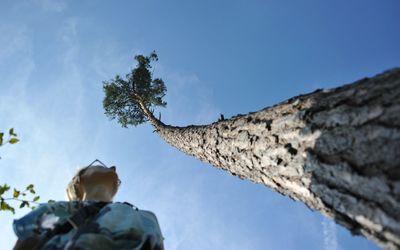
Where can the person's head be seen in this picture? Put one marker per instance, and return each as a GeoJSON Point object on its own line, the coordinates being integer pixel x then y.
{"type": "Point", "coordinates": [95, 183]}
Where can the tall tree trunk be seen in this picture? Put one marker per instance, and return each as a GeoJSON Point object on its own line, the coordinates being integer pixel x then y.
{"type": "Point", "coordinates": [337, 150]}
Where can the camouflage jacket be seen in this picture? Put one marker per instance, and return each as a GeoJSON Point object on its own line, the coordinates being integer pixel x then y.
{"type": "Point", "coordinates": [113, 226]}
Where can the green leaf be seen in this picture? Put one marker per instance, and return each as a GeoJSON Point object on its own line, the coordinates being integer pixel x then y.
{"type": "Point", "coordinates": [24, 204]}
{"type": "Point", "coordinates": [32, 191]}
{"type": "Point", "coordinates": [1, 138]}
{"type": "Point", "coordinates": [30, 186]}
{"type": "Point", "coordinates": [13, 140]}
{"type": "Point", "coordinates": [3, 205]}
{"type": "Point", "coordinates": [36, 198]}
{"type": "Point", "coordinates": [4, 189]}
{"type": "Point", "coordinates": [11, 132]}
{"type": "Point", "coordinates": [16, 193]}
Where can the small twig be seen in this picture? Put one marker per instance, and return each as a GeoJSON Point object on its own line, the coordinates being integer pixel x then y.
{"type": "Point", "coordinates": [16, 199]}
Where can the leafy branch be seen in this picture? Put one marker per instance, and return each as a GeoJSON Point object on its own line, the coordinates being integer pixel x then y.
{"type": "Point", "coordinates": [12, 138]}
{"type": "Point", "coordinates": [17, 195]}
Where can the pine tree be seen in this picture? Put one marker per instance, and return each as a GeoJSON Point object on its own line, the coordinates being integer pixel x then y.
{"type": "Point", "coordinates": [337, 150]}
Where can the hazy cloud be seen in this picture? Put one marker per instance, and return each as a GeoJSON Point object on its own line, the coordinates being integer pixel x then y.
{"type": "Point", "coordinates": [48, 122]}
{"type": "Point", "coordinates": [329, 232]}
{"type": "Point", "coordinates": [51, 5]}
{"type": "Point", "coordinates": [187, 94]}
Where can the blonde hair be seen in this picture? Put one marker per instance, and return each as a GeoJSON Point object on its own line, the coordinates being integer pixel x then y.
{"type": "Point", "coordinates": [73, 191]}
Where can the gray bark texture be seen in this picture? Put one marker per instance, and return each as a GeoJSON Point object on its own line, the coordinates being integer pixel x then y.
{"type": "Point", "coordinates": [337, 151]}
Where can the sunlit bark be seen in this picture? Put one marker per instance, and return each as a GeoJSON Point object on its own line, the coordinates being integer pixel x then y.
{"type": "Point", "coordinates": [337, 150]}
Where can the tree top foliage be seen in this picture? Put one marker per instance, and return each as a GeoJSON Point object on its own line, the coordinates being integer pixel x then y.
{"type": "Point", "coordinates": [123, 96]}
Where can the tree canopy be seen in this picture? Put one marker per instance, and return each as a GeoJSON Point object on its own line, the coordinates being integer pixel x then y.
{"type": "Point", "coordinates": [124, 96]}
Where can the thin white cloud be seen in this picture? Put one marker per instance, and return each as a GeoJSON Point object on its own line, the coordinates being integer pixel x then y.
{"type": "Point", "coordinates": [15, 56]}
{"type": "Point", "coordinates": [198, 106]}
{"type": "Point", "coordinates": [48, 122]}
{"type": "Point", "coordinates": [329, 234]}
{"type": "Point", "coordinates": [51, 5]}
{"type": "Point", "coordinates": [14, 44]}
{"type": "Point", "coordinates": [107, 61]}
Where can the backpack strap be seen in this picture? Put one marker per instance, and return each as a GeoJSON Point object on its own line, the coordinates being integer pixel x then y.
{"type": "Point", "coordinates": [83, 215]}
{"type": "Point", "coordinates": [132, 206]}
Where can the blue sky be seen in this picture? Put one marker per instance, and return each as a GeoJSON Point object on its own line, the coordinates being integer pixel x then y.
{"type": "Point", "coordinates": [216, 57]}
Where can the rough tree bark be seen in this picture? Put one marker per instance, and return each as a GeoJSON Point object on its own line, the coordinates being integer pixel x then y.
{"type": "Point", "coordinates": [337, 150]}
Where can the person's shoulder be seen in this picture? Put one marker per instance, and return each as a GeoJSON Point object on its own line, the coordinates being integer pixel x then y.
{"type": "Point", "coordinates": [122, 205]}
{"type": "Point", "coordinates": [126, 205]}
